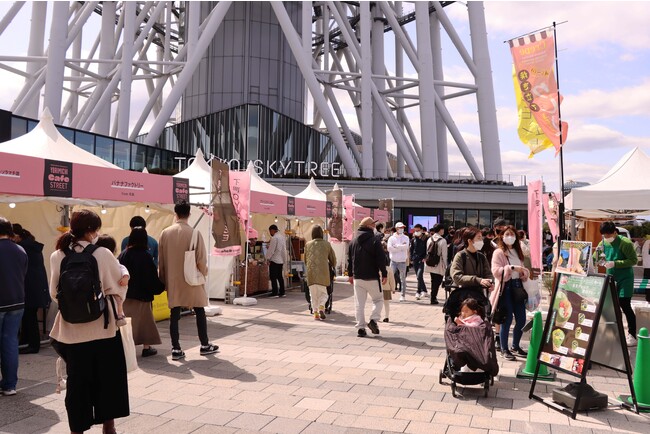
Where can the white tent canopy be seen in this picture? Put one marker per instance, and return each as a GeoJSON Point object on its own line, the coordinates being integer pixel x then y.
{"type": "Point", "coordinates": [45, 141]}
{"type": "Point", "coordinates": [312, 192]}
{"type": "Point", "coordinates": [624, 190]}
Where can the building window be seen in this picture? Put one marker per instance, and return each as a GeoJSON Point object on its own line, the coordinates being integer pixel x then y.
{"type": "Point", "coordinates": [460, 218]}
{"type": "Point", "coordinates": [18, 127]}
{"type": "Point", "coordinates": [122, 154]}
{"type": "Point", "coordinates": [104, 148]}
{"type": "Point", "coordinates": [85, 141]}
{"type": "Point", "coordinates": [484, 219]}
{"type": "Point", "coordinates": [138, 157]}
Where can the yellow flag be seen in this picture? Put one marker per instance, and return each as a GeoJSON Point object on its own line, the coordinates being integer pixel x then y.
{"type": "Point", "coordinates": [529, 131]}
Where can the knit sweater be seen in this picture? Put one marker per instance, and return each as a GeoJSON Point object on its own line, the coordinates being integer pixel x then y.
{"type": "Point", "coordinates": [319, 257]}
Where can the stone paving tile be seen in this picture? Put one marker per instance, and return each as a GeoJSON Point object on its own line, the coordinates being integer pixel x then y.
{"type": "Point", "coordinates": [278, 369]}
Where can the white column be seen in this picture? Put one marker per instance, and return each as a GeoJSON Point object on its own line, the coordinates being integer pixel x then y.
{"type": "Point", "coordinates": [487, 113]}
{"type": "Point", "coordinates": [74, 85]}
{"type": "Point", "coordinates": [438, 76]}
{"type": "Point", "coordinates": [216, 17]}
{"type": "Point", "coordinates": [106, 52]}
{"type": "Point", "coordinates": [427, 93]}
{"type": "Point", "coordinates": [366, 92]}
{"type": "Point", "coordinates": [305, 65]}
{"type": "Point", "coordinates": [307, 50]}
{"type": "Point", "coordinates": [124, 103]}
{"type": "Point", "coordinates": [35, 48]}
{"type": "Point", "coordinates": [399, 72]}
{"type": "Point", "coordinates": [378, 68]}
{"type": "Point", "coordinates": [56, 59]}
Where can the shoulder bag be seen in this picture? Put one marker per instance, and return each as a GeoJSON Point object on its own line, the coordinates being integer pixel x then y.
{"type": "Point", "coordinates": [193, 276]}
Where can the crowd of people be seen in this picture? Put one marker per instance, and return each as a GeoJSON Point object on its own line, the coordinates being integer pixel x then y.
{"type": "Point", "coordinates": [489, 265]}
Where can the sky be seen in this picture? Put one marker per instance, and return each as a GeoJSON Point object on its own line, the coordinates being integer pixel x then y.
{"type": "Point", "coordinates": [604, 68]}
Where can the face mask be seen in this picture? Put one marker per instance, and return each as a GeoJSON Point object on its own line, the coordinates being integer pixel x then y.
{"type": "Point", "coordinates": [417, 233]}
{"type": "Point", "coordinates": [400, 231]}
{"type": "Point", "coordinates": [478, 245]}
{"type": "Point", "coordinates": [509, 240]}
{"type": "Point", "coordinates": [610, 240]}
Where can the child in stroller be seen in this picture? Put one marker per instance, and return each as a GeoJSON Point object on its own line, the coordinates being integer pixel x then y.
{"type": "Point", "coordinates": [471, 357]}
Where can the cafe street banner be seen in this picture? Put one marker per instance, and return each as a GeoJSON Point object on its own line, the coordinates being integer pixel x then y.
{"type": "Point", "coordinates": [227, 209]}
{"type": "Point", "coordinates": [387, 205]}
{"type": "Point", "coordinates": [536, 92]}
{"type": "Point", "coordinates": [30, 176]}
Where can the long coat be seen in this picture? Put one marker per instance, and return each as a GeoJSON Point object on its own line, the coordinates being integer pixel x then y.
{"type": "Point", "coordinates": [174, 242]}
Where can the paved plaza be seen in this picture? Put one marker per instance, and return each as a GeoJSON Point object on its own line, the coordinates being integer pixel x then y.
{"type": "Point", "coordinates": [279, 370]}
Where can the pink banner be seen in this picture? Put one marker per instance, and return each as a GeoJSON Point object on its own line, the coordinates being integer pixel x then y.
{"type": "Point", "coordinates": [266, 203]}
{"type": "Point", "coordinates": [535, 223]}
{"type": "Point", "coordinates": [121, 185]}
{"type": "Point", "coordinates": [551, 214]}
{"type": "Point", "coordinates": [240, 185]}
{"type": "Point", "coordinates": [381, 215]}
{"type": "Point", "coordinates": [310, 208]}
{"type": "Point", "coordinates": [361, 213]}
{"type": "Point", "coordinates": [20, 175]}
{"type": "Point", "coordinates": [534, 59]}
{"type": "Point", "coordinates": [348, 224]}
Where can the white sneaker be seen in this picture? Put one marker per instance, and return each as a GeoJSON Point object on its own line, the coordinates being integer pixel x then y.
{"type": "Point", "coordinates": [402, 298]}
{"type": "Point", "coordinates": [630, 341]}
{"type": "Point", "coordinates": [417, 296]}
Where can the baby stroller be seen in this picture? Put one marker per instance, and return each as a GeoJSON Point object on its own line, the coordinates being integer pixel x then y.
{"type": "Point", "coordinates": [472, 347]}
{"type": "Point", "coordinates": [330, 292]}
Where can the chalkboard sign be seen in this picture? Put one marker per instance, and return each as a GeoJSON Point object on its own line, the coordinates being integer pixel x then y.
{"type": "Point", "coordinates": [573, 315]}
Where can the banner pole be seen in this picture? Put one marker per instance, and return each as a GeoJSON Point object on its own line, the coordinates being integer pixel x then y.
{"type": "Point", "coordinates": [560, 222]}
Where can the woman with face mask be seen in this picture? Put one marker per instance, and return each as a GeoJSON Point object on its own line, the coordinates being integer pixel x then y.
{"type": "Point", "coordinates": [470, 269]}
{"type": "Point", "coordinates": [510, 272]}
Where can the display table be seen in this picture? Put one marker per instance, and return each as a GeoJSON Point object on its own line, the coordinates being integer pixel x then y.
{"type": "Point", "coordinates": [258, 278]}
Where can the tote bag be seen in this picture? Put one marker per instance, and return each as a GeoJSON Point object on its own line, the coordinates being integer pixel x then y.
{"type": "Point", "coordinates": [126, 333]}
{"type": "Point", "coordinates": [193, 276]}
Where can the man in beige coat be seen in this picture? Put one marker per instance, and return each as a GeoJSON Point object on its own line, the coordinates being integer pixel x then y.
{"type": "Point", "coordinates": [174, 242]}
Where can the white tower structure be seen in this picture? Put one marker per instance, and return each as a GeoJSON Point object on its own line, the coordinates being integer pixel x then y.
{"type": "Point", "coordinates": [346, 60]}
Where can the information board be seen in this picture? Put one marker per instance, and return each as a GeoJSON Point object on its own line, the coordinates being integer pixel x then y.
{"type": "Point", "coordinates": [572, 318]}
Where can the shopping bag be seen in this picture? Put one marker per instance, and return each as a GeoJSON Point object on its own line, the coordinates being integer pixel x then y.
{"type": "Point", "coordinates": [126, 332]}
{"type": "Point", "coordinates": [191, 273]}
{"type": "Point", "coordinates": [534, 294]}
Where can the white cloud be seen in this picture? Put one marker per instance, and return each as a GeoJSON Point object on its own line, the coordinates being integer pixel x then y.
{"type": "Point", "coordinates": [597, 103]}
{"type": "Point", "coordinates": [588, 24]}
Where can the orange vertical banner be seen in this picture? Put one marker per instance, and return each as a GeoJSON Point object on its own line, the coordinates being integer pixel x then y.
{"type": "Point", "coordinates": [536, 91]}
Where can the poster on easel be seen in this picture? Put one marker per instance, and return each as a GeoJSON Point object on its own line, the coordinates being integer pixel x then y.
{"type": "Point", "coordinates": [574, 257]}
{"type": "Point", "coordinates": [579, 330]}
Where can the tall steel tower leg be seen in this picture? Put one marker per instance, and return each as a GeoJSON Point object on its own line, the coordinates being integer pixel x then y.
{"type": "Point", "coordinates": [438, 75]}
{"type": "Point", "coordinates": [378, 68]}
{"type": "Point", "coordinates": [124, 103]}
{"type": "Point", "coordinates": [36, 38]}
{"type": "Point", "coordinates": [485, 93]}
{"type": "Point", "coordinates": [427, 93]}
{"type": "Point", "coordinates": [399, 72]}
{"type": "Point", "coordinates": [106, 52]}
{"type": "Point", "coordinates": [56, 59]}
{"type": "Point", "coordinates": [366, 92]}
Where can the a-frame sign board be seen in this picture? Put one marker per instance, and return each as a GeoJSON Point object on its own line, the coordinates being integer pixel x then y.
{"type": "Point", "coordinates": [583, 326]}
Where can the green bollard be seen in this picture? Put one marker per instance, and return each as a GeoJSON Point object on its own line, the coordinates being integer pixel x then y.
{"type": "Point", "coordinates": [641, 378]}
{"type": "Point", "coordinates": [533, 352]}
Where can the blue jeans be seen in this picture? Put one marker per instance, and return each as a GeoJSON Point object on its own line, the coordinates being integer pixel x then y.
{"type": "Point", "coordinates": [9, 326]}
{"type": "Point", "coordinates": [512, 308]}
{"type": "Point", "coordinates": [401, 267]}
{"type": "Point", "coordinates": [418, 266]}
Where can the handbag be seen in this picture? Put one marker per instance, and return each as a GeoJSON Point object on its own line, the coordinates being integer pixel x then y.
{"type": "Point", "coordinates": [193, 276]}
{"type": "Point", "coordinates": [126, 333]}
{"type": "Point", "coordinates": [534, 294]}
{"type": "Point", "coordinates": [499, 313]}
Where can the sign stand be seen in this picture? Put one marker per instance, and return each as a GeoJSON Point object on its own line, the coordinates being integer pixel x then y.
{"type": "Point", "coordinates": [574, 318]}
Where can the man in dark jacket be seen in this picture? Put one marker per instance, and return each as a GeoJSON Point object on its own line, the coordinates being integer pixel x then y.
{"type": "Point", "coordinates": [13, 268]}
{"type": "Point", "coordinates": [366, 260]}
{"type": "Point", "coordinates": [418, 253]}
{"type": "Point", "coordinates": [37, 289]}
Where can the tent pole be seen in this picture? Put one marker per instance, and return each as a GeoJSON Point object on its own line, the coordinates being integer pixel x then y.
{"type": "Point", "coordinates": [560, 221]}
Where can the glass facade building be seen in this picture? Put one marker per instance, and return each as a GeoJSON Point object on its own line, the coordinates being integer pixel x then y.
{"type": "Point", "coordinates": [124, 154]}
{"type": "Point", "coordinates": [278, 144]}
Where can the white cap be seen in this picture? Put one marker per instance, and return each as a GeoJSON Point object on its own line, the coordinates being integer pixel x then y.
{"type": "Point", "coordinates": [400, 225]}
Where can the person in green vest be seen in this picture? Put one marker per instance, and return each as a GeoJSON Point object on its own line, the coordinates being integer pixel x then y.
{"type": "Point", "coordinates": [619, 259]}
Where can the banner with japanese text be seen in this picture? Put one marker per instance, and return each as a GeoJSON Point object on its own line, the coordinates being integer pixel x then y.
{"type": "Point", "coordinates": [535, 223]}
{"type": "Point", "coordinates": [348, 226]}
{"type": "Point", "coordinates": [335, 218]}
{"type": "Point", "coordinates": [536, 92]}
{"type": "Point", "coordinates": [229, 207]}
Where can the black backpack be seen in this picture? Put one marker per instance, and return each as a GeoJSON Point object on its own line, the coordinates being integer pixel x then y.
{"type": "Point", "coordinates": [79, 292]}
{"type": "Point", "coordinates": [433, 256]}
